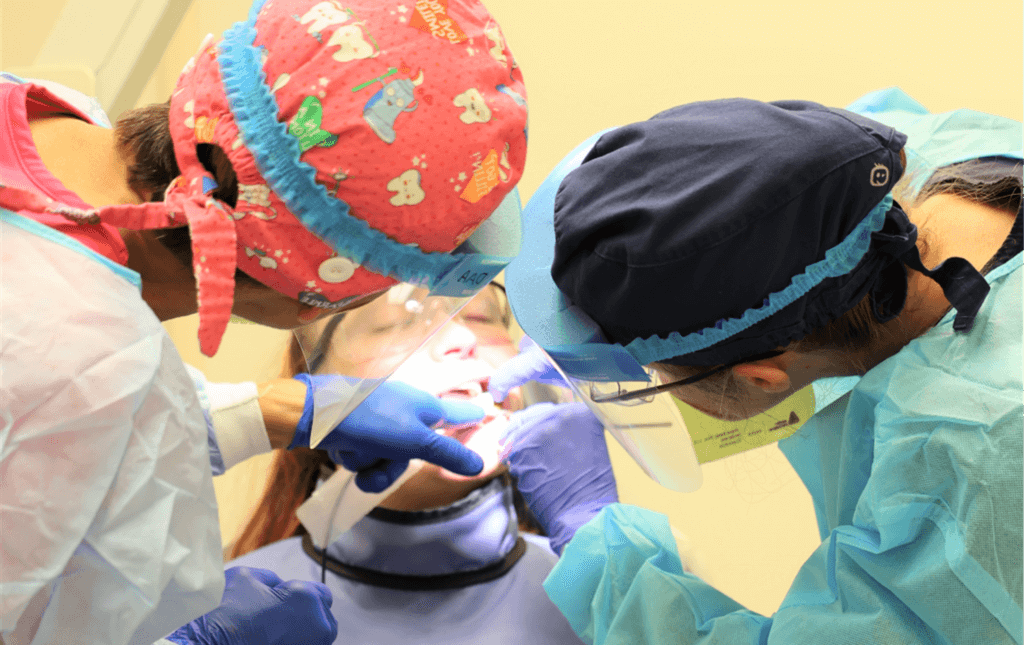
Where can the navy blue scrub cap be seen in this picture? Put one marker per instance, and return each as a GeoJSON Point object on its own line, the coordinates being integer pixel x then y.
{"type": "Point", "coordinates": [722, 230]}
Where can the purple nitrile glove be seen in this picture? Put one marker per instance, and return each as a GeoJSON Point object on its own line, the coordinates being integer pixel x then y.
{"type": "Point", "coordinates": [558, 454]}
{"type": "Point", "coordinates": [390, 427]}
{"type": "Point", "coordinates": [531, 364]}
{"type": "Point", "coordinates": [258, 608]}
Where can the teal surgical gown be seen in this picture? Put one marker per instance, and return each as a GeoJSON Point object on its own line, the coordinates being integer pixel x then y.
{"type": "Point", "coordinates": [916, 476]}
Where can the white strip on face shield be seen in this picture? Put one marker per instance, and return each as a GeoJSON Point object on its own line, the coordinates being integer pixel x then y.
{"type": "Point", "coordinates": [367, 344]}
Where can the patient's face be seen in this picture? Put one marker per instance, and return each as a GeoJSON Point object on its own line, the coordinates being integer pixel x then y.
{"type": "Point", "coordinates": [456, 363]}
{"type": "Point", "coordinates": [375, 339]}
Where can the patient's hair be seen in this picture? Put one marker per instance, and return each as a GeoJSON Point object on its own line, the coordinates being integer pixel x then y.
{"type": "Point", "coordinates": [293, 478]}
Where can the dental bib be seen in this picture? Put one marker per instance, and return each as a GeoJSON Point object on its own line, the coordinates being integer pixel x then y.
{"type": "Point", "coordinates": [337, 503]}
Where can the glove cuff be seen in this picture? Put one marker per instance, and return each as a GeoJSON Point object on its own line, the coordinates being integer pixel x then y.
{"type": "Point", "coordinates": [305, 426]}
{"type": "Point", "coordinates": [565, 527]}
{"type": "Point", "coordinates": [179, 636]}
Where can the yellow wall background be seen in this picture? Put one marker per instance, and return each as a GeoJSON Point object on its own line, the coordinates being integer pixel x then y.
{"type": "Point", "coordinates": [591, 64]}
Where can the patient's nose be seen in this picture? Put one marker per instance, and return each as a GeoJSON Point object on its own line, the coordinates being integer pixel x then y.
{"type": "Point", "coordinates": [455, 341]}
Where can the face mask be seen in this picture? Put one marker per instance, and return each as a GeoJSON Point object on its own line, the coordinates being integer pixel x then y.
{"type": "Point", "coordinates": [715, 439]}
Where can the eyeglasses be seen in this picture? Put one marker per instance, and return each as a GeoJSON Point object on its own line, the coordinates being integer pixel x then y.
{"type": "Point", "coordinates": [645, 395]}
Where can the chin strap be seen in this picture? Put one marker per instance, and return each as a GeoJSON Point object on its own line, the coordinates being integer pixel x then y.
{"type": "Point", "coordinates": [963, 285]}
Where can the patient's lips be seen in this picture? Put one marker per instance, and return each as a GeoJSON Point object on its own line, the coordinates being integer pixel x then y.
{"type": "Point", "coordinates": [461, 379]}
{"type": "Point", "coordinates": [482, 437]}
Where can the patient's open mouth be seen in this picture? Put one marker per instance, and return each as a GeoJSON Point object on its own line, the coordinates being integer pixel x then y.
{"type": "Point", "coordinates": [465, 391]}
{"type": "Point", "coordinates": [481, 436]}
{"type": "Point", "coordinates": [474, 391]}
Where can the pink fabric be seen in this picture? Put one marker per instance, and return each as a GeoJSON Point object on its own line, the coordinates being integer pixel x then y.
{"type": "Point", "coordinates": [21, 167]}
{"type": "Point", "coordinates": [408, 111]}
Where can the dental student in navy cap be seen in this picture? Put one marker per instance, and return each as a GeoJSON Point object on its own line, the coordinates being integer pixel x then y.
{"type": "Point", "coordinates": [726, 254]}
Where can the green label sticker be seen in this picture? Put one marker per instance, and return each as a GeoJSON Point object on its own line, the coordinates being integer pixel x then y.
{"type": "Point", "coordinates": [305, 126]}
{"type": "Point", "coordinates": [714, 439]}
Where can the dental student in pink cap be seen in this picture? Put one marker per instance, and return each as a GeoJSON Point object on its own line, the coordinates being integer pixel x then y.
{"type": "Point", "coordinates": [318, 156]}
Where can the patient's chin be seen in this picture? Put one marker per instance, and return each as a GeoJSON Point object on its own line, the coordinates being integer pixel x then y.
{"type": "Point", "coordinates": [485, 440]}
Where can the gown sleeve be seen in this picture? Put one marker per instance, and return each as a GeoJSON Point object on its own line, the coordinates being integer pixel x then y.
{"type": "Point", "coordinates": [620, 581]}
{"type": "Point", "coordinates": [234, 424]}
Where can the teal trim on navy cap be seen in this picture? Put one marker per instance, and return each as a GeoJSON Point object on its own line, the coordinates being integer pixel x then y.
{"type": "Point", "coordinates": [838, 261]}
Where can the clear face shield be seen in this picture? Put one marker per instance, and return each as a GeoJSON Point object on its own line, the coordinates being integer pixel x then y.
{"type": "Point", "coordinates": [455, 363]}
{"type": "Point", "coordinates": [366, 345]}
{"type": "Point", "coordinates": [668, 439]}
{"type": "Point", "coordinates": [651, 428]}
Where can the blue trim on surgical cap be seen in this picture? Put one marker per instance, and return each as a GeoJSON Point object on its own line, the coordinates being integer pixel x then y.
{"type": "Point", "coordinates": [839, 261]}
{"type": "Point", "coordinates": [277, 155]}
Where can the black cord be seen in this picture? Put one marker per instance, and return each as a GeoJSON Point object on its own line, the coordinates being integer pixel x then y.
{"type": "Point", "coordinates": [330, 525]}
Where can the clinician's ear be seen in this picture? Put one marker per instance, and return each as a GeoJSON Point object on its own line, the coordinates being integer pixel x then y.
{"type": "Point", "coordinates": [768, 375]}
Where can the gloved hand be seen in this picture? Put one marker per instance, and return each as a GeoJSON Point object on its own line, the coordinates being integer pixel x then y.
{"type": "Point", "coordinates": [258, 608]}
{"type": "Point", "coordinates": [529, 365]}
{"type": "Point", "coordinates": [559, 457]}
{"type": "Point", "coordinates": [390, 427]}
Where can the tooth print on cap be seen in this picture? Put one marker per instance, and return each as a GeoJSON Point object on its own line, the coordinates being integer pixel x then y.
{"type": "Point", "coordinates": [319, 106]}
